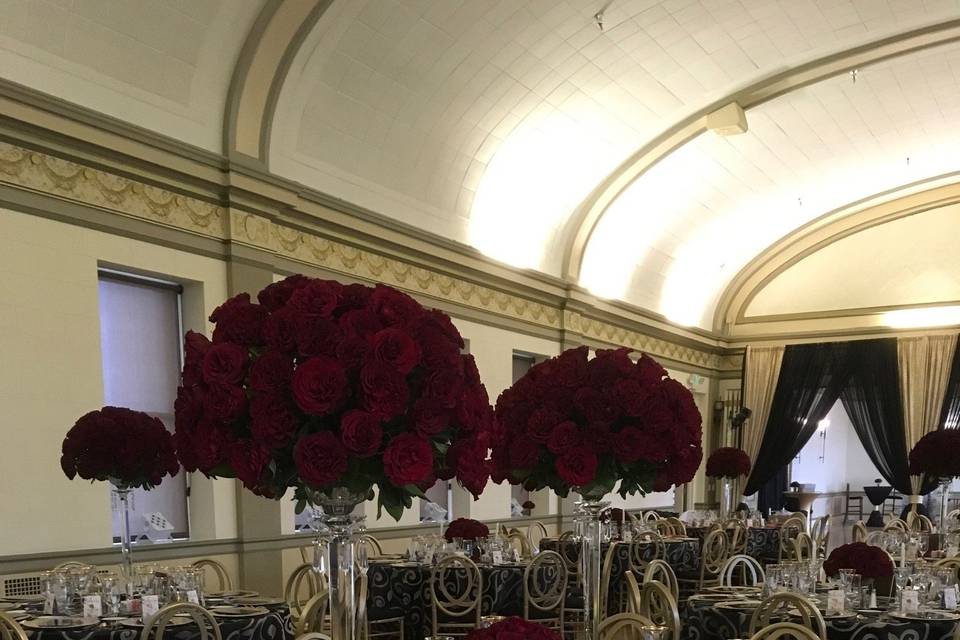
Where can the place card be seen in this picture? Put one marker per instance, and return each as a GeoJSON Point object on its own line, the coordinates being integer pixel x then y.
{"type": "Point", "coordinates": [498, 557]}
{"type": "Point", "coordinates": [149, 606]}
{"type": "Point", "coordinates": [836, 601]}
{"type": "Point", "coordinates": [910, 601]}
{"type": "Point", "coordinates": [950, 598]}
{"type": "Point", "coordinates": [48, 603]}
{"type": "Point", "coordinates": [193, 597]}
{"type": "Point", "coordinates": [92, 607]}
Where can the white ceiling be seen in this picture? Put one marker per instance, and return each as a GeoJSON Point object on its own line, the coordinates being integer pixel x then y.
{"type": "Point", "coordinates": [164, 65]}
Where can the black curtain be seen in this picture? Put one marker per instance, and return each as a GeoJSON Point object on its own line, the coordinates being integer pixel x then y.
{"type": "Point", "coordinates": [811, 379]}
{"type": "Point", "coordinates": [770, 495]}
{"type": "Point", "coordinates": [872, 401]}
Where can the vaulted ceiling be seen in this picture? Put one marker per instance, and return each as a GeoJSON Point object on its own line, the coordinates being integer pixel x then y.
{"type": "Point", "coordinates": [529, 132]}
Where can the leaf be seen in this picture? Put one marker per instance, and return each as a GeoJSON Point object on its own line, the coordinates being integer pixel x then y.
{"type": "Point", "coordinates": [301, 505]}
{"type": "Point", "coordinates": [392, 499]}
{"type": "Point", "coordinates": [414, 490]}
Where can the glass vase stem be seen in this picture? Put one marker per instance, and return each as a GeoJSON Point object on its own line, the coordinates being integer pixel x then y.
{"type": "Point", "coordinates": [944, 503]}
{"type": "Point", "coordinates": [591, 552]}
{"type": "Point", "coordinates": [126, 548]}
{"type": "Point", "coordinates": [726, 497]}
{"type": "Point", "coordinates": [338, 506]}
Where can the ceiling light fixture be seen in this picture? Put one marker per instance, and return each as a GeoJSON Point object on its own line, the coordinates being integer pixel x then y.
{"type": "Point", "coordinates": [922, 317]}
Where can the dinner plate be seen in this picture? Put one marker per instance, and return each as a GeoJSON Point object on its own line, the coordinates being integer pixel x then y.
{"type": "Point", "coordinates": [736, 590]}
{"type": "Point", "coordinates": [23, 599]}
{"type": "Point", "coordinates": [258, 601]}
{"type": "Point", "coordinates": [61, 623]}
{"type": "Point", "coordinates": [870, 612]}
{"type": "Point", "coordinates": [8, 606]}
{"type": "Point", "coordinates": [238, 593]}
{"type": "Point", "coordinates": [738, 605]}
{"type": "Point", "coordinates": [175, 621]}
{"type": "Point", "coordinates": [925, 616]}
{"type": "Point", "coordinates": [238, 612]}
{"type": "Point", "coordinates": [18, 614]}
{"type": "Point", "coordinates": [714, 597]}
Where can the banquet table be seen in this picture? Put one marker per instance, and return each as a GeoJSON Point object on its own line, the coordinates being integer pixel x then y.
{"type": "Point", "coordinates": [703, 620]}
{"type": "Point", "coordinates": [763, 543]}
{"type": "Point", "coordinates": [682, 554]}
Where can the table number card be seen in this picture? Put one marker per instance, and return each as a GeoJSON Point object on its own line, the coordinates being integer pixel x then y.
{"type": "Point", "coordinates": [910, 601]}
{"type": "Point", "coordinates": [193, 597]}
{"type": "Point", "coordinates": [950, 598]}
{"type": "Point", "coordinates": [92, 607]}
{"type": "Point", "coordinates": [150, 605]}
{"type": "Point", "coordinates": [498, 557]}
{"type": "Point", "coordinates": [836, 601]}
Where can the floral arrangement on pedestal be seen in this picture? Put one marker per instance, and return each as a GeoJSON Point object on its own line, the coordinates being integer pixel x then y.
{"type": "Point", "coordinates": [514, 629]}
{"type": "Point", "coordinates": [937, 455]}
{"type": "Point", "coordinates": [865, 559]}
{"type": "Point", "coordinates": [728, 462]}
{"type": "Point", "coordinates": [466, 529]}
{"type": "Point", "coordinates": [325, 385]}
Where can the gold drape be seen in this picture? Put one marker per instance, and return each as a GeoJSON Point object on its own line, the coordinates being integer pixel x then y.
{"type": "Point", "coordinates": [924, 368]}
{"type": "Point", "coordinates": [761, 371]}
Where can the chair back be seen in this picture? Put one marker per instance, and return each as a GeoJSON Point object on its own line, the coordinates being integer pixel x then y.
{"type": "Point", "coordinates": [313, 615]}
{"type": "Point", "coordinates": [203, 619]}
{"type": "Point", "coordinates": [859, 532]}
{"type": "Point", "coordinates": [714, 555]}
{"type": "Point", "coordinates": [951, 563]}
{"type": "Point", "coordinates": [456, 586]}
{"type": "Point", "coordinates": [821, 535]}
{"type": "Point", "coordinates": [545, 589]}
{"type": "Point", "coordinates": [785, 630]}
{"type": "Point", "coordinates": [314, 635]}
{"type": "Point", "coordinates": [536, 532]}
{"type": "Point", "coordinates": [633, 594]}
{"type": "Point", "coordinates": [519, 542]}
{"type": "Point", "coordinates": [736, 530]}
{"type": "Point", "coordinates": [374, 548]}
{"type": "Point", "coordinates": [741, 570]}
{"type": "Point", "coordinates": [659, 605]}
{"type": "Point", "coordinates": [624, 626]}
{"type": "Point", "coordinates": [663, 527]}
{"type": "Point", "coordinates": [660, 571]}
{"type": "Point", "coordinates": [303, 584]}
{"type": "Point", "coordinates": [678, 529]}
{"type": "Point", "coordinates": [896, 524]}
{"type": "Point", "coordinates": [223, 578]}
{"type": "Point", "coordinates": [650, 516]}
{"type": "Point", "coordinates": [10, 629]}
{"type": "Point", "coordinates": [640, 550]}
{"type": "Point", "coordinates": [779, 603]}
{"type": "Point", "coordinates": [802, 547]}
{"type": "Point", "coordinates": [606, 572]}
{"type": "Point", "coordinates": [919, 522]}
{"type": "Point", "coordinates": [790, 529]}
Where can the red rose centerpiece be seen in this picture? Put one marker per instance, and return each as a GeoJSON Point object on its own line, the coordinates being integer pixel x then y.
{"type": "Point", "coordinates": [130, 449]}
{"type": "Point", "coordinates": [937, 455]}
{"type": "Point", "coordinates": [587, 425]}
{"type": "Point", "coordinates": [514, 629]}
{"type": "Point", "coordinates": [466, 529]}
{"type": "Point", "coordinates": [728, 463]}
{"type": "Point", "coordinates": [332, 390]}
{"type": "Point", "coordinates": [865, 559]}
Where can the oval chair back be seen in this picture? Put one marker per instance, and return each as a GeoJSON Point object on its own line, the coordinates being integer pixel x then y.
{"type": "Point", "coordinates": [455, 602]}
{"type": "Point", "coordinates": [606, 582]}
{"type": "Point", "coordinates": [736, 530]}
{"type": "Point", "coordinates": [313, 617]}
{"type": "Point", "coordinates": [374, 548]}
{"type": "Point", "coordinates": [660, 571]}
{"type": "Point", "coordinates": [203, 619]}
{"type": "Point", "coordinates": [714, 555]}
{"type": "Point", "coordinates": [536, 532]}
{"type": "Point", "coordinates": [678, 529]}
{"type": "Point", "coordinates": [859, 533]}
{"type": "Point", "coordinates": [821, 536]}
{"type": "Point", "coordinates": [785, 630]}
{"type": "Point", "coordinates": [379, 628]}
{"type": "Point", "coordinates": [896, 524]}
{"type": "Point", "coordinates": [10, 629]}
{"type": "Point", "coordinates": [545, 589]}
{"type": "Point", "coordinates": [802, 548]}
{"type": "Point", "coordinates": [633, 592]}
{"type": "Point", "coordinates": [789, 530]}
{"type": "Point", "coordinates": [624, 626]}
{"type": "Point", "coordinates": [519, 542]}
{"type": "Point", "coordinates": [645, 547]}
{"type": "Point", "coordinates": [919, 522]}
{"type": "Point", "coordinates": [223, 578]}
{"type": "Point", "coordinates": [657, 604]}
{"type": "Point", "coordinates": [650, 516]}
{"type": "Point", "coordinates": [303, 584]}
{"type": "Point", "coordinates": [741, 570]}
{"type": "Point", "coordinates": [779, 603]}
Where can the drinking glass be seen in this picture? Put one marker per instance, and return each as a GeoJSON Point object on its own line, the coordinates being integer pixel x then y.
{"type": "Point", "coordinates": [901, 576]}
{"type": "Point", "coordinates": [854, 596]}
{"type": "Point", "coordinates": [54, 586]}
{"type": "Point", "coordinates": [112, 588]}
{"type": "Point", "coordinates": [923, 544]}
{"type": "Point", "coordinates": [772, 578]}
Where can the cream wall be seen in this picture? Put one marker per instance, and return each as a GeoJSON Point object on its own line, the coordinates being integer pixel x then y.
{"type": "Point", "coordinates": [51, 374]}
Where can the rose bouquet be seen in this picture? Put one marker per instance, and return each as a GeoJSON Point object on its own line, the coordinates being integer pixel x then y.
{"type": "Point", "coordinates": [514, 629]}
{"type": "Point", "coordinates": [326, 386]}
{"type": "Point", "coordinates": [865, 559]}
{"type": "Point", "coordinates": [128, 448]}
{"type": "Point", "coordinates": [574, 423]}
{"type": "Point", "coordinates": [937, 454]}
{"type": "Point", "coordinates": [728, 462]}
{"type": "Point", "coordinates": [466, 529]}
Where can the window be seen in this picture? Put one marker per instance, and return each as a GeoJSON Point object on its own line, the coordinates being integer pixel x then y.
{"type": "Point", "coordinates": [522, 363]}
{"type": "Point", "coordinates": [140, 329]}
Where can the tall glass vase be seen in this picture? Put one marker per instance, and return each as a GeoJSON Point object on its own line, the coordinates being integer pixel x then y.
{"type": "Point", "coordinates": [126, 549]}
{"type": "Point", "coordinates": [590, 530]}
{"type": "Point", "coordinates": [726, 498]}
{"type": "Point", "coordinates": [944, 504]}
{"type": "Point", "coordinates": [341, 536]}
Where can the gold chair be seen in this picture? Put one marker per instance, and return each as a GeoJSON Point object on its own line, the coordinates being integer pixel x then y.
{"type": "Point", "coordinates": [605, 581]}
{"type": "Point", "coordinates": [223, 578]}
{"type": "Point", "coordinates": [786, 630]}
{"type": "Point", "coordinates": [779, 603]}
{"type": "Point", "coordinates": [315, 635]}
{"type": "Point", "coordinates": [374, 629]}
{"type": "Point", "coordinates": [624, 626]}
{"type": "Point", "coordinates": [650, 516]}
{"type": "Point", "coordinates": [462, 607]}
{"type": "Point", "coordinates": [519, 542]}
{"type": "Point", "coordinates": [313, 617]}
{"type": "Point", "coordinates": [951, 563]}
{"type": "Point", "coordinates": [658, 605]}
{"type": "Point", "coordinates": [640, 543]}
{"type": "Point", "coordinates": [789, 530]}
{"type": "Point", "coordinates": [736, 531]}
{"type": "Point", "coordinates": [859, 532]}
{"type": "Point", "coordinates": [801, 548]}
{"type": "Point", "coordinates": [535, 533]}
{"type": "Point", "coordinates": [919, 522]}
{"type": "Point", "coordinates": [896, 525]}
{"type": "Point", "coordinates": [634, 594]}
{"type": "Point", "coordinates": [372, 543]}
{"type": "Point", "coordinates": [660, 571]}
{"type": "Point", "coordinates": [679, 530]}
{"type": "Point", "coordinates": [10, 629]}
{"type": "Point", "coordinates": [302, 576]}
{"type": "Point", "coordinates": [203, 619]}
{"type": "Point", "coordinates": [713, 555]}
{"type": "Point", "coordinates": [743, 567]}
{"type": "Point", "coordinates": [821, 536]}
{"type": "Point", "coordinates": [545, 590]}
{"type": "Point", "coordinates": [573, 616]}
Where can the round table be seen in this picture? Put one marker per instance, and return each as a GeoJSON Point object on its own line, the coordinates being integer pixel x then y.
{"type": "Point", "coordinates": [682, 554]}
{"type": "Point", "coordinates": [876, 495]}
{"type": "Point", "coordinates": [702, 620]}
{"type": "Point", "coordinates": [763, 543]}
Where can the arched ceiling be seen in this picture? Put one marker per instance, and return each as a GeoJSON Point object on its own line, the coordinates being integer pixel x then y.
{"type": "Point", "coordinates": [164, 65]}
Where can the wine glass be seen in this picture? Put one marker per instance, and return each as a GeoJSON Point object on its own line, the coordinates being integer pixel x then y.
{"type": "Point", "coordinates": [901, 576]}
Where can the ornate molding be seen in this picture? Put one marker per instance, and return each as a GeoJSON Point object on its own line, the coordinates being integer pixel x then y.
{"type": "Point", "coordinates": [67, 180]}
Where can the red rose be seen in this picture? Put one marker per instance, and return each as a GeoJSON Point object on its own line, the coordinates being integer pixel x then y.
{"type": "Point", "coordinates": [187, 408]}
{"type": "Point", "coordinates": [320, 386]}
{"type": "Point", "coordinates": [408, 459]}
{"type": "Point", "coordinates": [384, 390]}
{"type": "Point", "coordinates": [239, 321]}
{"type": "Point", "coordinates": [630, 445]}
{"type": "Point", "coordinates": [474, 413]}
{"type": "Point", "coordinates": [541, 423]}
{"type": "Point", "coordinates": [195, 346]}
{"type": "Point", "coordinates": [594, 407]}
{"type": "Point", "coordinates": [577, 468]}
{"type": "Point", "coordinates": [316, 336]}
{"type": "Point", "coordinates": [279, 330]}
{"type": "Point", "coordinates": [272, 420]}
{"type": "Point", "coordinates": [225, 403]}
{"type": "Point", "coordinates": [728, 462]}
{"type": "Point", "coordinates": [276, 295]}
{"type": "Point", "coordinates": [354, 296]}
{"type": "Point", "coordinates": [320, 458]}
{"type": "Point", "coordinates": [524, 453]}
{"type": "Point", "coordinates": [393, 307]}
{"type": "Point", "coordinates": [471, 464]}
{"type": "Point", "coordinates": [317, 299]}
{"type": "Point", "coordinates": [444, 386]}
{"type": "Point", "coordinates": [429, 418]}
{"type": "Point", "coordinates": [361, 433]}
{"type": "Point", "coordinates": [359, 322]}
{"type": "Point", "coordinates": [394, 348]}
{"type": "Point", "coordinates": [630, 395]}
{"type": "Point", "coordinates": [248, 460]}
{"type": "Point", "coordinates": [648, 371]}
{"type": "Point", "coordinates": [272, 372]}
{"type": "Point", "coordinates": [224, 363]}
{"type": "Point", "coordinates": [608, 366]}
{"type": "Point", "coordinates": [564, 437]}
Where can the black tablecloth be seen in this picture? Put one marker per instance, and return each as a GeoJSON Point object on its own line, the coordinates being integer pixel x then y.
{"type": "Point", "coordinates": [276, 625]}
{"type": "Point", "coordinates": [763, 543]}
{"type": "Point", "coordinates": [703, 621]}
{"type": "Point", "coordinates": [683, 555]}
